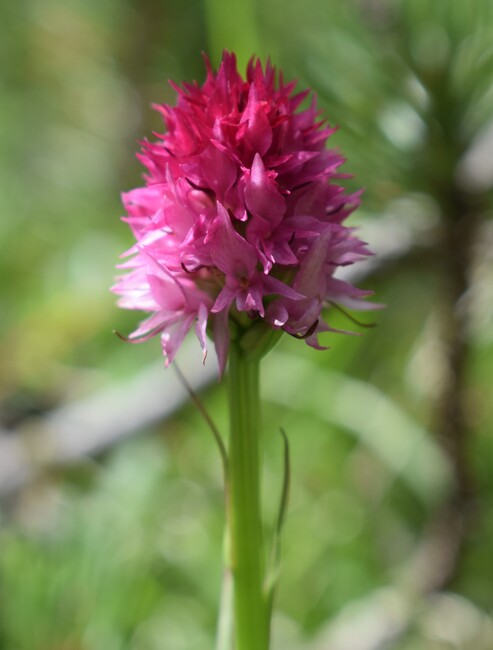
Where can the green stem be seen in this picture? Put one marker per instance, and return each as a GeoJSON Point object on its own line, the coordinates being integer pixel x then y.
{"type": "Point", "coordinates": [247, 552]}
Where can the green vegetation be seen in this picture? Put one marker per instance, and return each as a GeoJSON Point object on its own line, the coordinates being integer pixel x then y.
{"type": "Point", "coordinates": [388, 534]}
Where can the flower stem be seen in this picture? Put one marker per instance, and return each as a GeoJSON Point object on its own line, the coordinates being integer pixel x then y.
{"type": "Point", "coordinates": [247, 552]}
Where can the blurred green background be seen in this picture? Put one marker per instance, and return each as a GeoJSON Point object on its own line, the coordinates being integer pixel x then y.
{"type": "Point", "coordinates": [111, 525]}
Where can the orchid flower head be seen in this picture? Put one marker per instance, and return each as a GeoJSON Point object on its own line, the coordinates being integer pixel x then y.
{"type": "Point", "coordinates": [240, 222]}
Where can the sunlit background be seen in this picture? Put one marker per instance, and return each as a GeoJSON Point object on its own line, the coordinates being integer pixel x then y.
{"type": "Point", "coordinates": [110, 483]}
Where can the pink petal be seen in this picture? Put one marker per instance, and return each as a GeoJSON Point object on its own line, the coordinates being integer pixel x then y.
{"type": "Point", "coordinates": [172, 337]}
{"type": "Point", "coordinates": [310, 279]}
{"type": "Point", "coordinates": [201, 328]}
{"type": "Point", "coordinates": [232, 254]}
{"type": "Point", "coordinates": [261, 194]}
{"type": "Point", "coordinates": [221, 339]}
{"type": "Point", "coordinates": [344, 293]}
{"type": "Point", "coordinates": [224, 300]}
{"type": "Point", "coordinates": [256, 129]}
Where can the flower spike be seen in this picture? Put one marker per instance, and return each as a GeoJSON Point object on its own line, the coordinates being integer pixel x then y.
{"type": "Point", "coordinates": [241, 219]}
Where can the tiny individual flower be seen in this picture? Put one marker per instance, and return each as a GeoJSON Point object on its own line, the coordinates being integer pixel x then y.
{"type": "Point", "coordinates": [241, 218]}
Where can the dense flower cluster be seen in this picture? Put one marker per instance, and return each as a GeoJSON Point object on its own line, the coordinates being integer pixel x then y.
{"type": "Point", "coordinates": [240, 219]}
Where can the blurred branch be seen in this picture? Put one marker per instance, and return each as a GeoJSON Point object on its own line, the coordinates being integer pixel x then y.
{"type": "Point", "coordinates": [92, 424]}
{"type": "Point", "coordinates": [400, 443]}
{"type": "Point", "coordinates": [88, 426]}
{"type": "Point", "coordinates": [378, 621]}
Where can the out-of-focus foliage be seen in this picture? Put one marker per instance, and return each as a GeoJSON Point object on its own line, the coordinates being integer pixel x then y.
{"type": "Point", "coordinates": [124, 550]}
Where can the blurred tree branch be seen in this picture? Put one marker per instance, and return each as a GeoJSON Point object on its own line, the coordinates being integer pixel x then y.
{"type": "Point", "coordinates": [86, 427]}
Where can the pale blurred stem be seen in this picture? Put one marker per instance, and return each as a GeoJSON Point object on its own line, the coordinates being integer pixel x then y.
{"type": "Point", "coordinates": [246, 539]}
{"type": "Point", "coordinates": [225, 622]}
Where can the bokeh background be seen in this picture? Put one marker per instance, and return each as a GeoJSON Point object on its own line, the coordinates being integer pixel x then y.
{"type": "Point", "coordinates": [110, 483]}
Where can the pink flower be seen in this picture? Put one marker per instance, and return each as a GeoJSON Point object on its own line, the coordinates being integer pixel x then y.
{"type": "Point", "coordinates": [241, 218]}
